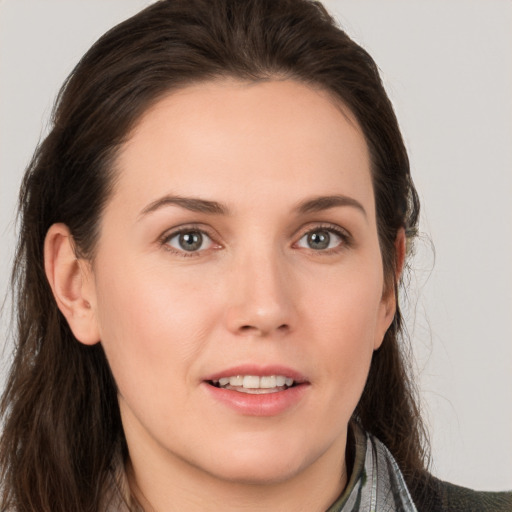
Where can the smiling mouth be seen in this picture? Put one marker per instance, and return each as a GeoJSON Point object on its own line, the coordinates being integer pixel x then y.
{"type": "Point", "coordinates": [253, 384]}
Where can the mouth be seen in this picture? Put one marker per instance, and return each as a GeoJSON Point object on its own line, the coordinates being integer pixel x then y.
{"type": "Point", "coordinates": [254, 384]}
{"type": "Point", "coordinates": [258, 390]}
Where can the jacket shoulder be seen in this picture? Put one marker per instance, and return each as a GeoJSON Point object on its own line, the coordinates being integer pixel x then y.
{"type": "Point", "coordinates": [439, 496]}
{"type": "Point", "coordinates": [456, 498]}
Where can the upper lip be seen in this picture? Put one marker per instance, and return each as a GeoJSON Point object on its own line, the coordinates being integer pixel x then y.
{"type": "Point", "coordinates": [260, 371]}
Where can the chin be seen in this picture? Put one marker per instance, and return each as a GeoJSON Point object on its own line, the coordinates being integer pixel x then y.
{"type": "Point", "coordinates": [259, 466]}
{"type": "Point", "coordinates": [265, 474]}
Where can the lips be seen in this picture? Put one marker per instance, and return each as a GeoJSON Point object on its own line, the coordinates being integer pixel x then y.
{"type": "Point", "coordinates": [258, 391]}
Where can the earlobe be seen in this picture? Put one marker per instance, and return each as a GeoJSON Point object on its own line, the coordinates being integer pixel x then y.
{"type": "Point", "coordinates": [72, 284]}
{"type": "Point", "coordinates": [389, 298]}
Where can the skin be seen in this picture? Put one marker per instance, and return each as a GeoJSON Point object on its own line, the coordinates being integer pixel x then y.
{"type": "Point", "coordinates": [255, 292]}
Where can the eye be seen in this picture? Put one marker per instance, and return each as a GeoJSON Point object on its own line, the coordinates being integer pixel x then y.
{"type": "Point", "coordinates": [321, 239]}
{"type": "Point", "coordinates": [191, 240]}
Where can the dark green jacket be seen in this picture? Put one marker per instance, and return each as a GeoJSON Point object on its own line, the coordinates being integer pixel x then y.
{"type": "Point", "coordinates": [438, 496]}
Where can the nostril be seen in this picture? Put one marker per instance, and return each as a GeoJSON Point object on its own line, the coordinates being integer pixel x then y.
{"type": "Point", "coordinates": [251, 328]}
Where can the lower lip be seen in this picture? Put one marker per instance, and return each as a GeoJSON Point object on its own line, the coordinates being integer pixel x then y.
{"type": "Point", "coordinates": [266, 404]}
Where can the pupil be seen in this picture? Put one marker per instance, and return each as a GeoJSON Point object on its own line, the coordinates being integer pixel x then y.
{"type": "Point", "coordinates": [191, 241]}
{"type": "Point", "coordinates": [319, 240]}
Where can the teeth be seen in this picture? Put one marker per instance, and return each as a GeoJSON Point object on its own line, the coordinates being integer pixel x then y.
{"type": "Point", "coordinates": [236, 381]}
{"type": "Point", "coordinates": [251, 382]}
{"type": "Point", "coordinates": [255, 382]}
{"type": "Point", "coordinates": [268, 382]}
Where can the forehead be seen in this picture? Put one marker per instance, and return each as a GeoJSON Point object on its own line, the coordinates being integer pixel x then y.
{"type": "Point", "coordinates": [234, 140]}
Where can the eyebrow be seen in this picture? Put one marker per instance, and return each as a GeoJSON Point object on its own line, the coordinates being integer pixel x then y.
{"type": "Point", "coordinates": [194, 204]}
{"type": "Point", "coordinates": [320, 203]}
{"type": "Point", "coordinates": [189, 203]}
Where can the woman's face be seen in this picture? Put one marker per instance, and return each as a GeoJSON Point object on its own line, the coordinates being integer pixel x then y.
{"type": "Point", "coordinates": [239, 253]}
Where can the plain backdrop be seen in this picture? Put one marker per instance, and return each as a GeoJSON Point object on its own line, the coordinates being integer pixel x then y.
{"type": "Point", "coordinates": [447, 66]}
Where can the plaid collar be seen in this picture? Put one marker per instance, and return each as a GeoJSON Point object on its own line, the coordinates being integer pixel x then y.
{"type": "Point", "coordinates": [376, 483]}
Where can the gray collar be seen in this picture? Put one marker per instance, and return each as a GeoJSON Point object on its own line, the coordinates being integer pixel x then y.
{"type": "Point", "coordinates": [376, 483]}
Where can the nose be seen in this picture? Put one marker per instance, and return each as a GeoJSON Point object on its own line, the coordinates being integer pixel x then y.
{"type": "Point", "coordinates": [260, 296]}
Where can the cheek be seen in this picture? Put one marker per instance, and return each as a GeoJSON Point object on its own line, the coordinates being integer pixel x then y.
{"type": "Point", "coordinates": [347, 333]}
{"type": "Point", "coordinates": [151, 325]}
{"type": "Point", "coordinates": [346, 319]}
{"type": "Point", "coordinates": [349, 302]}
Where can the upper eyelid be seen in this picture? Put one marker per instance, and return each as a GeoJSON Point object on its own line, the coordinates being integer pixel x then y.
{"type": "Point", "coordinates": [176, 230]}
{"type": "Point", "coordinates": [325, 226]}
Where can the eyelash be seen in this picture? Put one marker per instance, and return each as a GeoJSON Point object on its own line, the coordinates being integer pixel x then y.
{"type": "Point", "coordinates": [345, 237]}
{"type": "Point", "coordinates": [167, 237]}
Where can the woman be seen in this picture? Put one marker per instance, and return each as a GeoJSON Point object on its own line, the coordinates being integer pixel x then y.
{"type": "Point", "coordinates": [212, 238]}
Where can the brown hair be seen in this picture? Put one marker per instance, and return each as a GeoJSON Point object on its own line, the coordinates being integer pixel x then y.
{"type": "Point", "coordinates": [63, 433]}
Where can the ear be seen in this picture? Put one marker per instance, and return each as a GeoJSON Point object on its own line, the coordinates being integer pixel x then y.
{"type": "Point", "coordinates": [72, 283]}
{"type": "Point", "coordinates": [400, 251]}
{"type": "Point", "coordinates": [389, 297]}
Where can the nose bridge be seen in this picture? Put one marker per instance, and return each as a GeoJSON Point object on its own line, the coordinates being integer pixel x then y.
{"type": "Point", "coordinates": [261, 299]}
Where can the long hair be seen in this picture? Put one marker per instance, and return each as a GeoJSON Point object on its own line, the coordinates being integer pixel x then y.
{"type": "Point", "coordinates": [63, 438]}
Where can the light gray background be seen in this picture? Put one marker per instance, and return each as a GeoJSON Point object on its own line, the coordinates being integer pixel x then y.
{"type": "Point", "coordinates": [447, 66]}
